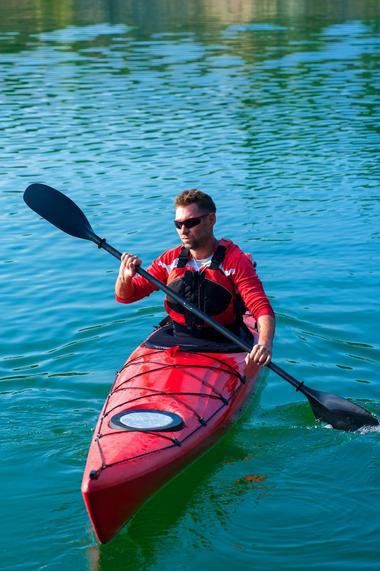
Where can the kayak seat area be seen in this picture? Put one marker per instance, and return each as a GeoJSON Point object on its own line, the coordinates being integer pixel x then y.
{"type": "Point", "coordinates": [164, 338]}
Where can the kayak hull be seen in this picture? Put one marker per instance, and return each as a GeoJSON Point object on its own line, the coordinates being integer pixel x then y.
{"type": "Point", "coordinates": [206, 391]}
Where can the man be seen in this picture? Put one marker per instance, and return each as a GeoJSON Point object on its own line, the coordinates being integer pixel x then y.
{"type": "Point", "coordinates": [208, 272]}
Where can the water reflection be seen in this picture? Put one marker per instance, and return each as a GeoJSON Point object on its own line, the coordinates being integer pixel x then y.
{"type": "Point", "coordinates": [170, 15]}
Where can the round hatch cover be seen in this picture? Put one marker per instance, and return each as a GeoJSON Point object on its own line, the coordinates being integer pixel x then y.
{"type": "Point", "coordinates": [146, 420]}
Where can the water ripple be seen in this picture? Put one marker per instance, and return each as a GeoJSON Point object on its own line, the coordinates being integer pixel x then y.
{"type": "Point", "coordinates": [273, 109]}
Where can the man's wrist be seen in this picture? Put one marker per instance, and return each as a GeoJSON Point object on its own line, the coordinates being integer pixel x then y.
{"type": "Point", "coordinates": [266, 342]}
{"type": "Point", "coordinates": [124, 281]}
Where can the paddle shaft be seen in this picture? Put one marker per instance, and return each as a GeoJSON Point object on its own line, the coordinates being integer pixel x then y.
{"type": "Point", "coordinates": [101, 243]}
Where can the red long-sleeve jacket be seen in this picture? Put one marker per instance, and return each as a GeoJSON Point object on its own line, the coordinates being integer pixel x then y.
{"type": "Point", "coordinates": [236, 265]}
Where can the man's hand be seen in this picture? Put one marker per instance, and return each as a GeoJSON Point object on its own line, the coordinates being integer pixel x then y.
{"type": "Point", "coordinates": [124, 284]}
{"type": "Point", "coordinates": [261, 354]}
{"type": "Point", "coordinates": [128, 265]}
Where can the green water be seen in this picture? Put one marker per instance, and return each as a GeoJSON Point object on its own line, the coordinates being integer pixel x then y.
{"type": "Point", "coordinates": [271, 106]}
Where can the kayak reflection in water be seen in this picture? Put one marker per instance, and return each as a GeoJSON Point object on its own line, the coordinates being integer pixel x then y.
{"type": "Point", "coordinates": [215, 275]}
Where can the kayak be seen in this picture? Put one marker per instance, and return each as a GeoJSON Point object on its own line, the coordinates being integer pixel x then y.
{"type": "Point", "coordinates": [169, 403]}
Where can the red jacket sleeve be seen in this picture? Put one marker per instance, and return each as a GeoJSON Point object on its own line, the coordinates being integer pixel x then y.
{"type": "Point", "coordinates": [249, 285]}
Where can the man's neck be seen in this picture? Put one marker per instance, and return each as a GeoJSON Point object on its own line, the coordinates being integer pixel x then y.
{"type": "Point", "coordinates": [205, 251]}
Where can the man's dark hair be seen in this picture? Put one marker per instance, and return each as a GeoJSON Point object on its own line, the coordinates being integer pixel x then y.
{"type": "Point", "coordinates": [195, 196]}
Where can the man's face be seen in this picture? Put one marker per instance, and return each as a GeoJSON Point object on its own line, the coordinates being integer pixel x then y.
{"type": "Point", "coordinates": [199, 235]}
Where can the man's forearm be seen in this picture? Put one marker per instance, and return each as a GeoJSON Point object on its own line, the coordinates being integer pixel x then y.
{"type": "Point", "coordinates": [124, 288]}
{"type": "Point", "coordinates": [266, 328]}
{"type": "Point", "coordinates": [261, 353]}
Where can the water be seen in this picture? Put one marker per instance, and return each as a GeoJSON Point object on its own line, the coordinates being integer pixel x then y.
{"type": "Point", "coordinates": [272, 108]}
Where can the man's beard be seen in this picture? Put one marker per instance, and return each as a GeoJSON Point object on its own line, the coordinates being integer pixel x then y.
{"type": "Point", "coordinates": [194, 243]}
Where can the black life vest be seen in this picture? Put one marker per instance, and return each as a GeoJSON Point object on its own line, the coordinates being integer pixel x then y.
{"type": "Point", "coordinates": [209, 289]}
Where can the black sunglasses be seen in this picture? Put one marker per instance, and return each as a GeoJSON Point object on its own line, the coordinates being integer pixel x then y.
{"type": "Point", "coordinates": [190, 222]}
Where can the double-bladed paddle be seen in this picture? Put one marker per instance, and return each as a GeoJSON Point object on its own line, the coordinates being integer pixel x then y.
{"type": "Point", "coordinates": [62, 212]}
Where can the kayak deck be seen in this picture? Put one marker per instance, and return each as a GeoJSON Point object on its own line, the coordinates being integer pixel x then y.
{"type": "Point", "coordinates": [202, 392]}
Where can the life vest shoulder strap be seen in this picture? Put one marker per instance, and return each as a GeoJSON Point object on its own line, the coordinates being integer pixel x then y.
{"type": "Point", "coordinates": [218, 257]}
{"type": "Point", "coordinates": [219, 254]}
{"type": "Point", "coordinates": [183, 257]}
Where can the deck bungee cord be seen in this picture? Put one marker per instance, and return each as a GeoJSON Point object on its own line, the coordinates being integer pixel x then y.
{"type": "Point", "coordinates": [154, 394]}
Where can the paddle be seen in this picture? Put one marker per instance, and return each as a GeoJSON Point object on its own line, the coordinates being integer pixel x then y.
{"type": "Point", "coordinates": [62, 212]}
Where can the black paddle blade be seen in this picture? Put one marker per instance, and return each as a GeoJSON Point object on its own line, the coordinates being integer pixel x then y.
{"type": "Point", "coordinates": [59, 210]}
{"type": "Point", "coordinates": [340, 413]}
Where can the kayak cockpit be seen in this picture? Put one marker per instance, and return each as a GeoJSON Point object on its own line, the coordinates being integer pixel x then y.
{"type": "Point", "coordinates": [164, 338]}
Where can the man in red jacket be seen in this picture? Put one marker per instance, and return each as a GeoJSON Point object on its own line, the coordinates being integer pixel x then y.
{"type": "Point", "coordinates": [209, 273]}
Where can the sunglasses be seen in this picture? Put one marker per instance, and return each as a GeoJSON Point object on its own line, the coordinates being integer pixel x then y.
{"type": "Point", "coordinates": [190, 222]}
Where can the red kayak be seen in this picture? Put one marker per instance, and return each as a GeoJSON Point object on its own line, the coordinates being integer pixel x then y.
{"type": "Point", "coordinates": [168, 404]}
